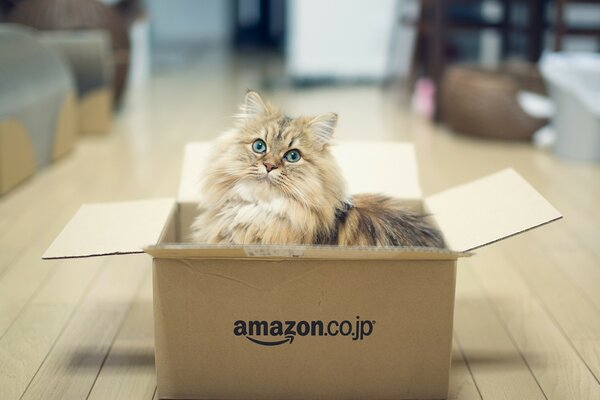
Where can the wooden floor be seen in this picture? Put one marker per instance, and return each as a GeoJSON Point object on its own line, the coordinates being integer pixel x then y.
{"type": "Point", "coordinates": [527, 321]}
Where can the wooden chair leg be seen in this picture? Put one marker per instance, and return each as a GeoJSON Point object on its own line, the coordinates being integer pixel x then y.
{"type": "Point", "coordinates": [437, 51]}
{"type": "Point", "coordinates": [536, 28]}
{"type": "Point", "coordinates": [418, 51]}
{"type": "Point", "coordinates": [559, 24]}
{"type": "Point", "coordinates": [506, 25]}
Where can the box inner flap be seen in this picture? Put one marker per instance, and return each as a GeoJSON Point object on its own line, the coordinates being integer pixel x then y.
{"type": "Point", "coordinates": [489, 209]}
{"type": "Point", "coordinates": [194, 161]}
{"type": "Point", "coordinates": [379, 167]}
{"type": "Point", "coordinates": [280, 252]}
{"type": "Point", "coordinates": [112, 228]}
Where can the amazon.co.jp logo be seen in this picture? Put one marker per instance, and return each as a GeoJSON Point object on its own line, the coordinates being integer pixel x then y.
{"type": "Point", "coordinates": [276, 332]}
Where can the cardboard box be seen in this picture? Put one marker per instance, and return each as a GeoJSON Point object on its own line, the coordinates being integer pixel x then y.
{"type": "Point", "coordinates": [22, 152]}
{"type": "Point", "coordinates": [301, 322]}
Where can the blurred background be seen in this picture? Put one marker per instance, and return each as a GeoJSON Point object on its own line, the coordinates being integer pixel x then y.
{"type": "Point", "coordinates": [502, 70]}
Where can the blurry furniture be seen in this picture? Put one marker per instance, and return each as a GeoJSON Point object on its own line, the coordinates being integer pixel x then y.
{"type": "Point", "coordinates": [81, 15]}
{"type": "Point", "coordinates": [333, 41]}
{"type": "Point", "coordinates": [259, 24]}
{"type": "Point", "coordinates": [140, 56]}
{"type": "Point", "coordinates": [561, 29]}
{"type": "Point", "coordinates": [437, 22]}
{"type": "Point", "coordinates": [483, 102]}
{"type": "Point", "coordinates": [573, 80]}
{"type": "Point", "coordinates": [37, 106]}
{"type": "Point", "coordinates": [90, 59]}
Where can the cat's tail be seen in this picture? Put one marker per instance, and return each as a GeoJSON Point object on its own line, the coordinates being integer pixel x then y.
{"type": "Point", "coordinates": [377, 220]}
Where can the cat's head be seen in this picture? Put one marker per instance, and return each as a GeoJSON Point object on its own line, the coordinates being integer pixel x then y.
{"type": "Point", "coordinates": [272, 153]}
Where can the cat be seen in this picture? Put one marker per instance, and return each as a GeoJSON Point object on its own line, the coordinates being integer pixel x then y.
{"type": "Point", "coordinates": [273, 180]}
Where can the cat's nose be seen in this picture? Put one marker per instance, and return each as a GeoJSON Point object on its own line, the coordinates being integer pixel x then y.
{"type": "Point", "coordinates": [270, 166]}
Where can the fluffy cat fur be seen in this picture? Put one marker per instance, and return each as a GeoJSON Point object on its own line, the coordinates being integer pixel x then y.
{"type": "Point", "coordinates": [303, 202]}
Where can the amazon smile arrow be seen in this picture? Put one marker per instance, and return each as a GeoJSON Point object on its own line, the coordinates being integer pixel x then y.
{"type": "Point", "coordinates": [288, 339]}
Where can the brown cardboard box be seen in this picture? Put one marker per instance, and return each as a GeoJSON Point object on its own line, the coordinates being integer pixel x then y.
{"type": "Point", "coordinates": [20, 156]}
{"type": "Point", "coordinates": [95, 111]}
{"type": "Point", "coordinates": [301, 322]}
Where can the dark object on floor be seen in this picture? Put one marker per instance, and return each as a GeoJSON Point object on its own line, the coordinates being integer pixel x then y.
{"type": "Point", "coordinates": [82, 14]}
{"type": "Point", "coordinates": [483, 102]}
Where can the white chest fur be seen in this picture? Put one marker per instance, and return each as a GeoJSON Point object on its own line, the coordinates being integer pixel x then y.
{"type": "Point", "coordinates": [256, 204]}
{"type": "Point", "coordinates": [257, 212]}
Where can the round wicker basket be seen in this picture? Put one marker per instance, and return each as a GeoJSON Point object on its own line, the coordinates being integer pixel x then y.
{"type": "Point", "coordinates": [482, 102]}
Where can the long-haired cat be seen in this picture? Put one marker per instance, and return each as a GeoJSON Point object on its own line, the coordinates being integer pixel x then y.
{"type": "Point", "coordinates": [273, 180]}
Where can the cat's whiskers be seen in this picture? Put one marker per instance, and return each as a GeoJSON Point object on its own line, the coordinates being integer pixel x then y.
{"type": "Point", "coordinates": [229, 170]}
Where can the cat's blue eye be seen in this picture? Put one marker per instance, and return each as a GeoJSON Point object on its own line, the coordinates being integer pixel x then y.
{"type": "Point", "coordinates": [292, 156]}
{"type": "Point", "coordinates": [259, 146]}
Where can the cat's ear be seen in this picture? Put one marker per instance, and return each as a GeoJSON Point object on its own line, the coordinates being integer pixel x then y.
{"type": "Point", "coordinates": [254, 105]}
{"type": "Point", "coordinates": [322, 127]}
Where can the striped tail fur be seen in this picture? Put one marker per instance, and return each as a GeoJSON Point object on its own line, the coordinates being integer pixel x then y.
{"type": "Point", "coordinates": [378, 220]}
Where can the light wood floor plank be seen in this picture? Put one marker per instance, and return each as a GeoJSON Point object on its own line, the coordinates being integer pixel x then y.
{"type": "Point", "coordinates": [494, 360]}
{"type": "Point", "coordinates": [556, 366]}
{"type": "Point", "coordinates": [128, 372]}
{"type": "Point", "coordinates": [18, 286]}
{"type": "Point", "coordinates": [571, 310]}
{"type": "Point", "coordinates": [25, 345]}
{"type": "Point", "coordinates": [462, 385]}
{"type": "Point", "coordinates": [579, 266]}
{"type": "Point", "coordinates": [72, 365]}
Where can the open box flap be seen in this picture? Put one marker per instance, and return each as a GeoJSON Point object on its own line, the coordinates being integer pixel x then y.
{"type": "Point", "coordinates": [489, 209]}
{"type": "Point", "coordinates": [195, 156]}
{"type": "Point", "coordinates": [112, 228]}
{"type": "Point", "coordinates": [366, 167]}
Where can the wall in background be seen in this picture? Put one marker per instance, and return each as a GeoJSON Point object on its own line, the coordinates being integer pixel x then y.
{"type": "Point", "coordinates": [339, 39]}
{"type": "Point", "coordinates": [190, 22]}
